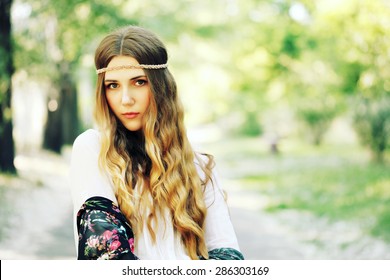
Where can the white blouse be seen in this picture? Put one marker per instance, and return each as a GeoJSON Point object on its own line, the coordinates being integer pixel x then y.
{"type": "Point", "coordinates": [86, 181]}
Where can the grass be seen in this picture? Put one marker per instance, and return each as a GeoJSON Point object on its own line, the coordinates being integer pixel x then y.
{"type": "Point", "coordinates": [352, 192]}
{"type": "Point", "coordinates": [334, 181]}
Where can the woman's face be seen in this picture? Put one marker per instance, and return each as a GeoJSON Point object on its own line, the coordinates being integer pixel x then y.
{"type": "Point", "coordinates": [127, 92]}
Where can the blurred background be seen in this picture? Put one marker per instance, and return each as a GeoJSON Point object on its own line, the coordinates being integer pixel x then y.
{"type": "Point", "coordinates": [291, 97]}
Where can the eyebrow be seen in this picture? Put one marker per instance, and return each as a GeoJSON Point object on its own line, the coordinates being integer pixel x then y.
{"type": "Point", "coordinates": [134, 78]}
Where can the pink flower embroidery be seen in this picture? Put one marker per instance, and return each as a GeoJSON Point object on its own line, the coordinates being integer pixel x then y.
{"type": "Point", "coordinates": [115, 208]}
{"type": "Point", "coordinates": [131, 243]}
{"type": "Point", "coordinates": [107, 235]}
{"type": "Point", "coordinates": [114, 245]}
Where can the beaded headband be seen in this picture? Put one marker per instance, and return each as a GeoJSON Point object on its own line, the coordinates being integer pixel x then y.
{"type": "Point", "coordinates": [134, 66]}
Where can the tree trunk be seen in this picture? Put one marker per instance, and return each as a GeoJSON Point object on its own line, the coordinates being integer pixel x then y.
{"type": "Point", "coordinates": [63, 124]}
{"type": "Point", "coordinates": [53, 131]}
{"type": "Point", "coordinates": [7, 149]}
{"type": "Point", "coordinates": [70, 119]}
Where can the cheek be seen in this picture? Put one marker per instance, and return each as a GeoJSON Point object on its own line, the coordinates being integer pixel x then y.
{"type": "Point", "coordinates": [110, 103]}
{"type": "Point", "coordinates": [147, 99]}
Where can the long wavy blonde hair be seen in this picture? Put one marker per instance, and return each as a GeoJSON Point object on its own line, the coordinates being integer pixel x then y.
{"type": "Point", "coordinates": [154, 168]}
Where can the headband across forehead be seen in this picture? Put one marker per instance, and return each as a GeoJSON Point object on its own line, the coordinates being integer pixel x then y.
{"type": "Point", "coordinates": [132, 66]}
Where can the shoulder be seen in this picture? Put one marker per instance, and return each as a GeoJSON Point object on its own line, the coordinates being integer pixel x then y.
{"type": "Point", "coordinates": [86, 146]}
{"type": "Point", "coordinates": [85, 175]}
{"type": "Point", "coordinates": [87, 138]}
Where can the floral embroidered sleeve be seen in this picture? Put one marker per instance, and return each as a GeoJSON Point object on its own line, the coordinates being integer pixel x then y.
{"type": "Point", "coordinates": [104, 232]}
{"type": "Point", "coordinates": [225, 254]}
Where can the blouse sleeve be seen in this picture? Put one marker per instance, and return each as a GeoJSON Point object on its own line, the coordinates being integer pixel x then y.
{"type": "Point", "coordinates": [104, 232]}
{"type": "Point", "coordinates": [221, 240]}
{"type": "Point", "coordinates": [86, 179]}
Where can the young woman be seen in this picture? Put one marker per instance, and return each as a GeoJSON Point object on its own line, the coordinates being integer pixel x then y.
{"type": "Point", "coordinates": [138, 188]}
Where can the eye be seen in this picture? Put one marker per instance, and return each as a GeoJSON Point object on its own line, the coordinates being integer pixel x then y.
{"type": "Point", "coordinates": [112, 86]}
{"type": "Point", "coordinates": [140, 82]}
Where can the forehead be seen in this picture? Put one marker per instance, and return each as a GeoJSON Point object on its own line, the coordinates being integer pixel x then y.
{"type": "Point", "coordinates": [123, 73]}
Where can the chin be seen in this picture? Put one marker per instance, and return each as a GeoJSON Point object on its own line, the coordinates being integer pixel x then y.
{"type": "Point", "coordinates": [133, 128]}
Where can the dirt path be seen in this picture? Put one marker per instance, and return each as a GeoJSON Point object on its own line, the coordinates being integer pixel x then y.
{"type": "Point", "coordinates": [38, 209]}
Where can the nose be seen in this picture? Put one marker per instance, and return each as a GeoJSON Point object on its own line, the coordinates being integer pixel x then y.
{"type": "Point", "coordinates": [127, 98]}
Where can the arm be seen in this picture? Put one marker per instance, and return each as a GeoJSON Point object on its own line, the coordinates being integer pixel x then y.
{"type": "Point", "coordinates": [104, 232]}
{"type": "Point", "coordinates": [221, 240]}
{"type": "Point", "coordinates": [86, 178]}
{"type": "Point", "coordinates": [86, 182]}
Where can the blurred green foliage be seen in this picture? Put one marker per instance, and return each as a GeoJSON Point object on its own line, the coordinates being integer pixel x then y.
{"type": "Point", "coordinates": [372, 123]}
{"type": "Point", "coordinates": [251, 61]}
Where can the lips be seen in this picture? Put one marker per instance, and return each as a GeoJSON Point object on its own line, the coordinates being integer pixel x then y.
{"type": "Point", "coordinates": [130, 115]}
